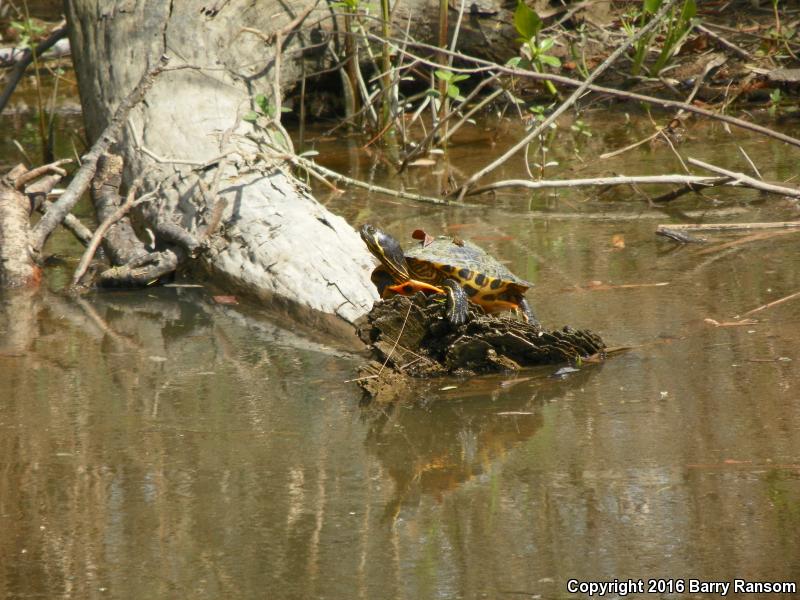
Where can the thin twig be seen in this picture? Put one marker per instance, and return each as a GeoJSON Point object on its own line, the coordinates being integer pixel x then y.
{"type": "Point", "coordinates": [27, 57]}
{"type": "Point", "coordinates": [304, 163]}
{"type": "Point", "coordinates": [567, 81]}
{"type": "Point", "coordinates": [723, 42]}
{"type": "Point", "coordinates": [100, 232]}
{"type": "Point", "coordinates": [746, 180]}
{"type": "Point", "coordinates": [83, 177]}
{"type": "Point", "coordinates": [536, 131]}
{"type": "Point", "coordinates": [397, 341]}
{"type": "Point", "coordinates": [752, 164]}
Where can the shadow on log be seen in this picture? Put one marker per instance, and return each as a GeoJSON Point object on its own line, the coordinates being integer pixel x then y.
{"type": "Point", "coordinates": [411, 337]}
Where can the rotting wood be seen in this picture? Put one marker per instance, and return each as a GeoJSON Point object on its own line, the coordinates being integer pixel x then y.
{"type": "Point", "coordinates": [411, 337]}
{"type": "Point", "coordinates": [120, 243]}
{"type": "Point", "coordinates": [132, 264]}
{"type": "Point", "coordinates": [101, 230]}
{"type": "Point", "coordinates": [17, 266]}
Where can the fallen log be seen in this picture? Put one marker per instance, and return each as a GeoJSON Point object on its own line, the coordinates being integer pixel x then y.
{"type": "Point", "coordinates": [20, 192]}
{"type": "Point", "coordinates": [17, 266]}
{"type": "Point", "coordinates": [266, 236]}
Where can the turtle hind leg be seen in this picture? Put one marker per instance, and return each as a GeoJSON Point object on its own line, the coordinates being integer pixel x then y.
{"type": "Point", "coordinates": [457, 303]}
{"type": "Point", "coordinates": [527, 313]}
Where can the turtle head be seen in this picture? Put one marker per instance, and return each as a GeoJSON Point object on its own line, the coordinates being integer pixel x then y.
{"type": "Point", "coordinates": [387, 250]}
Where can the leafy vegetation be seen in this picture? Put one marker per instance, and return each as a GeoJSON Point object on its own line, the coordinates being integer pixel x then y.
{"type": "Point", "coordinates": [528, 24]}
{"type": "Point", "coordinates": [677, 28]}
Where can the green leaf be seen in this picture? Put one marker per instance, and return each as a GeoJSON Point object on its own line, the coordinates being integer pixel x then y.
{"type": "Point", "coordinates": [546, 44]}
{"type": "Point", "coordinates": [457, 78]}
{"type": "Point", "coordinates": [526, 21]}
{"type": "Point", "coordinates": [547, 59]}
{"type": "Point", "coordinates": [513, 61]}
{"type": "Point", "coordinates": [250, 116]}
{"type": "Point", "coordinates": [651, 6]}
{"type": "Point", "coordinates": [261, 102]}
{"type": "Point", "coordinates": [443, 75]}
{"type": "Point", "coordinates": [689, 11]}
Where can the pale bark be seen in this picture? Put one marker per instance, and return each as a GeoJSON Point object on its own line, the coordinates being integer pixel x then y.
{"type": "Point", "coordinates": [17, 266]}
{"type": "Point", "coordinates": [275, 241]}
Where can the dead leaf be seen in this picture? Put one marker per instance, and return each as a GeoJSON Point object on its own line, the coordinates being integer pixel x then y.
{"type": "Point", "coordinates": [225, 300]}
{"type": "Point", "coordinates": [422, 236]}
{"type": "Point", "coordinates": [618, 240]}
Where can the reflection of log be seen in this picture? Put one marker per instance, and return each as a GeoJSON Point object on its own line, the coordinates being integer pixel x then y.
{"type": "Point", "coordinates": [411, 336]}
{"type": "Point", "coordinates": [435, 448]}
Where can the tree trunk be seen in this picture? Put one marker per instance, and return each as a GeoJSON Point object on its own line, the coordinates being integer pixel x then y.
{"type": "Point", "coordinates": [274, 240]}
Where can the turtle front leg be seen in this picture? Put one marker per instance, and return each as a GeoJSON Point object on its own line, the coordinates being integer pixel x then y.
{"type": "Point", "coordinates": [457, 302]}
{"type": "Point", "coordinates": [527, 313]}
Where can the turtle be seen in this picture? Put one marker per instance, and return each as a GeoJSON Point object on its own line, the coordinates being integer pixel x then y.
{"type": "Point", "coordinates": [457, 268]}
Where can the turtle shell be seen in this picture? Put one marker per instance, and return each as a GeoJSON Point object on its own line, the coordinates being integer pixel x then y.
{"type": "Point", "coordinates": [463, 261]}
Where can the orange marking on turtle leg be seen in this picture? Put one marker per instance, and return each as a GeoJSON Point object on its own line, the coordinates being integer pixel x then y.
{"type": "Point", "coordinates": [493, 306]}
{"type": "Point", "coordinates": [412, 285]}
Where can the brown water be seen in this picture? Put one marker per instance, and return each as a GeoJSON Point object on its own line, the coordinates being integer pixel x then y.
{"type": "Point", "coordinates": [157, 445]}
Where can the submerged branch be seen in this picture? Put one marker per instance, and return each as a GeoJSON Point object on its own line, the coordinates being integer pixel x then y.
{"type": "Point", "coordinates": [730, 226]}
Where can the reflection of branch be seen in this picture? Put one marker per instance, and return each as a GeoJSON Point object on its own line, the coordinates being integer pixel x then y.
{"type": "Point", "coordinates": [731, 226]}
{"type": "Point", "coordinates": [771, 304]}
{"type": "Point", "coordinates": [95, 317]}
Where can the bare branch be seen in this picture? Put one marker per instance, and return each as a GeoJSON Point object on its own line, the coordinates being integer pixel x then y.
{"type": "Point", "coordinates": [746, 180]}
{"type": "Point", "coordinates": [27, 58]}
{"type": "Point", "coordinates": [83, 177]}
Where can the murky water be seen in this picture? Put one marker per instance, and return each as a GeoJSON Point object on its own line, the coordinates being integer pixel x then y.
{"type": "Point", "coordinates": [157, 445]}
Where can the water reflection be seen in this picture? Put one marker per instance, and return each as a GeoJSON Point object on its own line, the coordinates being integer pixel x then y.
{"type": "Point", "coordinates": [157, 445]}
